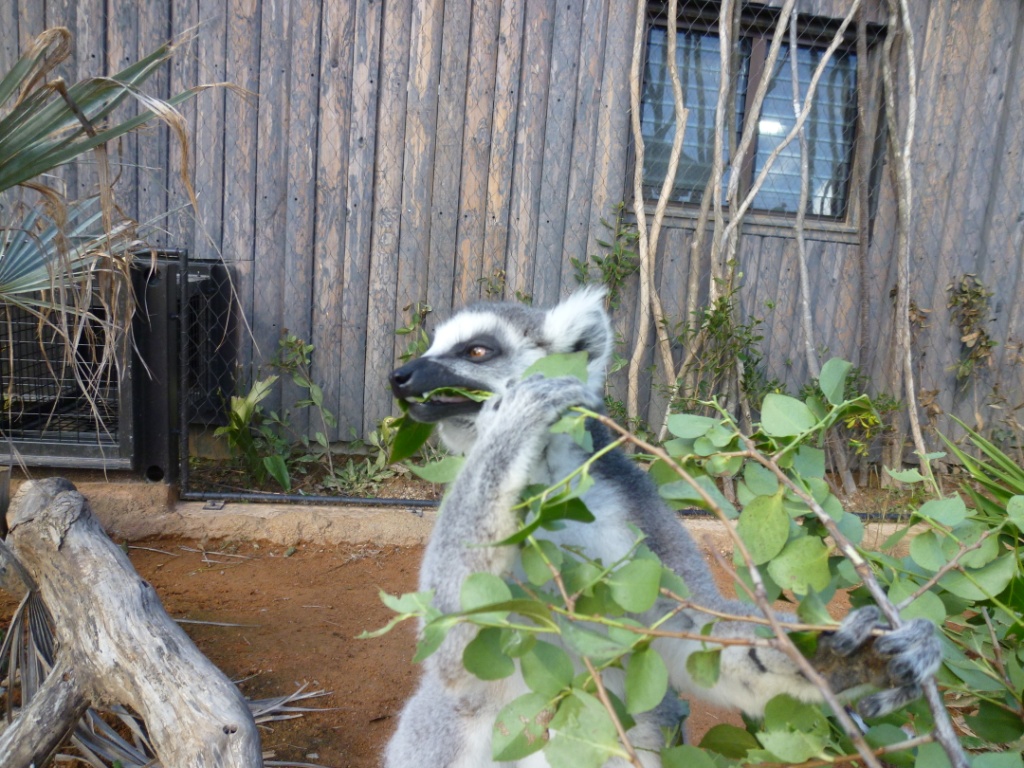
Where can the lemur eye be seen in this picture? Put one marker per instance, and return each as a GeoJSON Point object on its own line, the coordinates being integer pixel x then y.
{"type": "Point", "coordinates": [477, 352]}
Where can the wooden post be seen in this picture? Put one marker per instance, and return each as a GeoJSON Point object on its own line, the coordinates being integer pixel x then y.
{"type": "Point", "coordinates": [116, 644]}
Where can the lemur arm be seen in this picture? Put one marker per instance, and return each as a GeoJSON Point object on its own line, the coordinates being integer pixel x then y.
{"type": "Point", "coordinates": [512, 431]}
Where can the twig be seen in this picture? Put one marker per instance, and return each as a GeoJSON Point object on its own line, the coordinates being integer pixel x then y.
{"type": "Point", "coordinates": [650, 303]}
{"type": "Point", "coordinates": [953, 564]}
{"type": "Point", "coordinates": [785, 643]}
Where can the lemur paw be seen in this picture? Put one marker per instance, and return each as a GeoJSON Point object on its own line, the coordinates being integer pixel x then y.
{"type": "Point", "coordinates": [910, 655]}
{"type": "Point", "coordinates": [542, 400]}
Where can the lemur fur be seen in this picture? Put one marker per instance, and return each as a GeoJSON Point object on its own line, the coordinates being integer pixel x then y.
{"type": "Point", "coordinates": [448, 721]}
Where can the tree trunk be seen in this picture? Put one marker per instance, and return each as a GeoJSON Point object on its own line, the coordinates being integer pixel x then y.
{"type": "Point", "coordinates": [116, 644]}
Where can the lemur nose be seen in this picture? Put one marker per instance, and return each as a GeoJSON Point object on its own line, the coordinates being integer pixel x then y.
{"type": "Point", "coordinates": [401, 380]}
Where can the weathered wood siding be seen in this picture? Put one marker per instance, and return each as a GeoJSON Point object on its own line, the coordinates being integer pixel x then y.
{"type": "Point", "coordinates": [396, 151]}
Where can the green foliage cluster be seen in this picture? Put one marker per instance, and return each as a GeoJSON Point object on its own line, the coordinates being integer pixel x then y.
{"type": "Point", "coordinates": [723, 340]}
{"type": "Point", "coordinates": [969, 311]}
{"type": "Point", "coordinates": [795, 542]}
{"type": "Point", "coordinates": [268, 446]}
{"type": "Point", "coordinates": [619, 262]}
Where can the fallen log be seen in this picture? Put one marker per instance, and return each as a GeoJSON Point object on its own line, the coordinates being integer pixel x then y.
{"type": "Point", "coordinates": [115, 645]}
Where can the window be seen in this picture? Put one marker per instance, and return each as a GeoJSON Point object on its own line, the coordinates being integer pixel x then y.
{"type": "Point", "coordinates": [829, 129]}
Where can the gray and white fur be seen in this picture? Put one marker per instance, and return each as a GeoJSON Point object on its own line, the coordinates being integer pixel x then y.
{"type": "Point", "coordinates": [448, 721]}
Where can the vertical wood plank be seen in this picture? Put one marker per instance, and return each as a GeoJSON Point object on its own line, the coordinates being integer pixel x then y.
{"type": "Point", "coordinates": [953, 132]}
{"type": "Point", "coordinates": [362, 143]}
{"type": "Point", "coordinates": [529, 150]}
{"type": "Point", "coordinates": [59, 13]}
{"type": "Point", "coordinates": [208, 141]}
{"type": "Point", "coordinates": [269, 268]}
{"type": "Point", "coordinates": [154, 176]}
{"type": "Point", "coordinates": [336, 50]}
{"type": "Point", "coordinates": [184, 74]}
{"type": "Point", "coordinates": [593, 43]}
{"type": "Point", "coordinates": [609, 180]}
{"type": "Point", "coordinates": [10, 47]}
{"type": "Point", "coordinates": [480, 112]}
{"type": "Point", "coordinates": [300, 205]}
{"type": "Point", "coordinates": [455, 174]}
{"type": "Point", "coordinates": [241, 67]}
{"type": "Point", "coordinates": [421, 128]}
{"type": "Point", "coordinates": [31, 21]}
{"type": "Point", "coordinates": [1002, 232]}
{"type": "Point", "coordinates": [387, 211]}
{"type": "Point", "coordinates": [503, 138]}
{"type": "Point", "coordinates": [559, 129]}
{"type": "Point", "coordinates": [122, 50]}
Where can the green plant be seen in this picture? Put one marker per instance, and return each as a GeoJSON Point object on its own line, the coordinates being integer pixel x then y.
{"type": "Point", "coordinates": [416, 330]}
{"type": "Point", "coordinates": [793, 540]}
{"type": "Point", "coordinates": [358, 477]}
{"type": "Point", "coordinates": [722, 340]}
{"type": "Point", "coordinates": [618, 264]}
{"type": "Point", "coordinates": [495, 284]}
{"type": "Point", "coordinates": [254, 435]}
{"type": "Point", "coordinates": [62, 259]}
{"type": "Point", "coordinates": [969, 311]}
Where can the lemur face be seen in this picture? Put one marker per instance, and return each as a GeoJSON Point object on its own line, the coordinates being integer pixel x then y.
{"type": "Point", "coordinates": [488, 347]}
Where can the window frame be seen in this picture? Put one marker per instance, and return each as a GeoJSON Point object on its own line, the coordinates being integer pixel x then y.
{"type": "Point", "coordinates": [757, 25]}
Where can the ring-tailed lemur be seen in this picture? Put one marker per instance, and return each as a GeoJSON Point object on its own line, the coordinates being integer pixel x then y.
{"type": "Point", "coordinates": [448, 721]}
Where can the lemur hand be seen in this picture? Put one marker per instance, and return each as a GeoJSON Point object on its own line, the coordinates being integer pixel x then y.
{"type": "Point", "coordinates": [897, 662]}
{"type": "Point", "coordinates": [538, 400]}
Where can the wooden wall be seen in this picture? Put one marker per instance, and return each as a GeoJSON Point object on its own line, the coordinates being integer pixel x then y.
{"type": "Point", "coordinates": [392, 152]}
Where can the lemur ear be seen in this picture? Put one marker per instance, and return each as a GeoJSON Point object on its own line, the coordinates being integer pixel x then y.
{"type": "Point", "coordinates": [580, 323]}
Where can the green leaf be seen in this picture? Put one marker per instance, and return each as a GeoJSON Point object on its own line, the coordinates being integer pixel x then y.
{"type": "Point", "coordinates": [728, 740]}
{"type": "Point", "coordinates": [950, 511]}
{"type": "Point", "coordinates": [704, 667]}
{"type": "Point", "coordinates": [484, 657]}
{"type": "Point", "coordinates": [905, 475]}
{"type": "Point", "coordinates": [998, 760]}
{"type": "Point", "coordinates": [802, 565]}
{"type": "Point", "coordinates": [686, 756]}
{"type": "Point", "coordinates": [646, 681]}
{"type": "Point", "coordinates": [995, 725]}
{"type": "Point", "coordinates": [926, 551]}
{"type": "Point", "coordinates": [563, 364]}
{"type": "Point", "coordinates": [809, 462]}
{"type": "Point", "coordinates": [635, 584]}
{"type": "Point", "coordinates": [764, 527]}
{"type": "Point", "coordinates": [681, 490]}
{"type": "Point", "coordinates": [584, 735]}
{"type": "Point", "coordinates": [833, 379]}
{"type": "Point", "coordinates": [592, 644]}
{"type": "Point", "coordinates": [278, 470]}
{"type": "Point", "coordinates": [931, 756]}
{"type": "Point", "coordinates": [443, 471]}
{"type": "Point", "coordinates": [784, 416]}
{"type": "Point", "coordinates": [690, 426]}
{"type": "Point", "coordinates": [537, 571]}
{"type": "Point", "coordinates": [521, 728]}
{"type": "Point", "coordinates": [927, 605]}
{"type": "Point", "coordinates": [982, 583]}
{"type": "Point", "coordinates": [547, 669]}
{"type": "Point", "coordinates": [484, 589]}
{"type": "Point", "coordinates": [760, 480]}
{"type": "Point", "coordinates": [886, 734]}
{"type": "Point", "coordinates": [723, 466]}
{"type": "Point", "coordinates": [410, 435]}
{"type": "Point", "coordinates": [792, 746]}
{"type": "Point", "coordinates": [1015, 511]}
{"type": "Point", "coordinates": [852, 527]}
